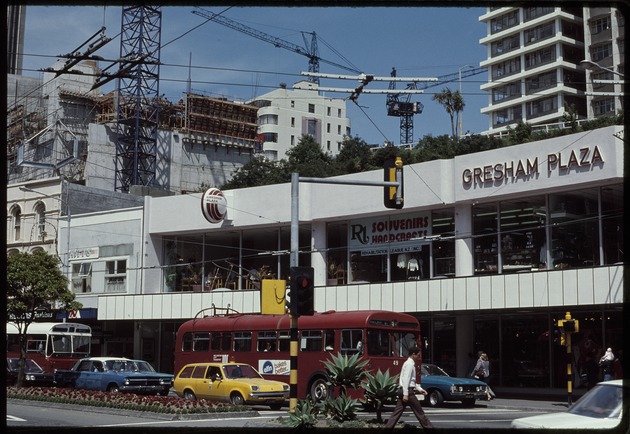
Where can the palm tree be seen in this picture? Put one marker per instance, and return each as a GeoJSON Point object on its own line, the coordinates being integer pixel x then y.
{"type": "Point", "coordinates": [454, 104]}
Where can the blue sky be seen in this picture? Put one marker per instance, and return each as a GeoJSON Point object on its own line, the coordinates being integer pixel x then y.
{"type": "Point", "coordinates": [418, 42]}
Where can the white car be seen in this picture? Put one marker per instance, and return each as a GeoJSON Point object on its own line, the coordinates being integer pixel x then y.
{"type": "Point", "coordinates": [599, 408]}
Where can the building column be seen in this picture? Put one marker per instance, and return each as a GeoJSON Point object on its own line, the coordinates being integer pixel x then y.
{"type": "Point", "coordinates": [464, 340]}
{"type": "Point", "coordinates": [318, 255]}
{"type": "Point", "coordinates": [464, 262]}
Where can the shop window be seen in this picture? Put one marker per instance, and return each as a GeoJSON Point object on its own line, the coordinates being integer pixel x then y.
{"type": "Point", "coordinates": [612, 224]}
{"type": "Point", "coordinates": [523, 245]}
{"type": "Point", "coordinates": [443, 246]}
{"type": "Point", "coordinates": [485, 238]}
{"type": "Point", "coordinates": [337, 253]}
{"type": "Point", "coordinates": [574, 229]}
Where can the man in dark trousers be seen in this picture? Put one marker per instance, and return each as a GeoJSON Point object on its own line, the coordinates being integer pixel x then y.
{"type": "Point", "coordinates": [407, 389]}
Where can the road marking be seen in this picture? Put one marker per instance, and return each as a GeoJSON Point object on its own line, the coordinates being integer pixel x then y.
{"type": "Point", "coordinates": [15, 418]}
{"type": "Point", "coordinates": [179, 421]}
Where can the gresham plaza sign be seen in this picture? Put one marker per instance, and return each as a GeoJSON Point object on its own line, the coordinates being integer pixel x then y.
{"type": "Point", "coordinates": [526, 169]}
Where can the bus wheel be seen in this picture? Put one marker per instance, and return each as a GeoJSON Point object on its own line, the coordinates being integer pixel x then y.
{"type": "Point", "coordinates": [112, 388]}
{"type": "Point", "coordinates": [188, 394]}
{"type": "Point", "coordinates": [237, 399]}
{"type": "Point", "coordinates": [319, 390]}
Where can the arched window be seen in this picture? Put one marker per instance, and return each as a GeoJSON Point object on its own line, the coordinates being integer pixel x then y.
{"type": "Point", "coordinates": [16, 224]}
{"type": "Point", "coordinates": [40, 218]}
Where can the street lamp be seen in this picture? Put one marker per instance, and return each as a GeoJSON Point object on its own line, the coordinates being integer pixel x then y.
{"type": "Point", "coordinates": [589, 64]}
{"type": "Point", "coordinates": [461, 115]}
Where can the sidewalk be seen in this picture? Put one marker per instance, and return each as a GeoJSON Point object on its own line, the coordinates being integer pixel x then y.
{"type": "Point", "coordinates": [531, 398]}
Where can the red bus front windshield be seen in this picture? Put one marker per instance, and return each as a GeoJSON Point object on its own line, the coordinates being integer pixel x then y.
{"type": "Point", "coordinates": [263, 341]}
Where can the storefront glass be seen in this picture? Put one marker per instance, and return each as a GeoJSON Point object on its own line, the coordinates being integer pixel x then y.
{"type": "Point", "coordinates": [443, 249]}
{"type": "Point", "coordinates": [337, 253]}
{"type": "Point", "coordinates": [574, 228]}
{"type": "Point", "coordinates": [522, 228]}
{"type": "Point", "coordinates": [485, 238]}
{"type": "Point", "coordinates": [612, 223]}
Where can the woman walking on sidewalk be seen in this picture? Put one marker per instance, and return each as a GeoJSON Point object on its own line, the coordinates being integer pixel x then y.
{"type": "Point", "coordinates": [482, 372]}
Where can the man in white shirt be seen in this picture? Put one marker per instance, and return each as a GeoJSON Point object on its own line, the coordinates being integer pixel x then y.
{"type": "Point", "coordinates": [407, 389]}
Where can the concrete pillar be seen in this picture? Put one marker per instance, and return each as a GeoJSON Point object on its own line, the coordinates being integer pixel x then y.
{"type": "Point", "coordinates": [318, 255]}
{"type": "Point", "coordinates": [464, 261]}
{"type": "Point", "coordinates": [464, 340]}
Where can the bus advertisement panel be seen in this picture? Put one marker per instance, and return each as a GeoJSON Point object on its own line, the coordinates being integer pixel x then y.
{"type": "Point", "coordinates": [263, 341]}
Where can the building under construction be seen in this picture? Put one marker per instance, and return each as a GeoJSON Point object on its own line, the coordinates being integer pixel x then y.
{"type": "Point", "coordinates": [56, 119]}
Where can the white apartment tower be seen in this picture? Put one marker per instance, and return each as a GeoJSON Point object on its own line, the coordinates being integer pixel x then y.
{"type": "Point", "coordinates": [285, 115]}
{"type": "Point", "coordinates": [536, 65]}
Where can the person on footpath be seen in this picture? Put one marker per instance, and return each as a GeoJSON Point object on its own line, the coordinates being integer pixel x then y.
{"type": "Point", "coordinates": [407, 389]}
{"type": "Point", "coordinates": [482, 372]}
{"type": "Point", "coordinates": [606, 364]}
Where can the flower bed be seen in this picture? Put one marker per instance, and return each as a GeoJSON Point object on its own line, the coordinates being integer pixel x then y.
{"type": "Point", "coordinates": [127, 401]}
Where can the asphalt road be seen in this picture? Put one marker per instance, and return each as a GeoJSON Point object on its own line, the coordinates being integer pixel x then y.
{"type": "Point", "coordinates": [24, 415]}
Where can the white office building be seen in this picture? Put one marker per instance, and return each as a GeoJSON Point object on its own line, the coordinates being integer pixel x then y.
{"type": "Point", "coordinates": [285, 115]}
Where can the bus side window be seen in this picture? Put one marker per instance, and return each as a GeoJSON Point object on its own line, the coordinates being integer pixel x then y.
{"type": "Point", "coordinates": [284, 341]}
{"type": "Point", "coordinates": [187, 342]}
{"type": "Point", "coordinates": [329, 340]}
{"type": "Point", "coordinates": [242, 341]}
{"type": "Point", "coordinates": [266, 341]}
{"type": "Point", "coordinates": [311, 340]}
{"type": "Point", "coordinates": [201, 341]}
{"type": "Point", "coordinates": [352, 342]}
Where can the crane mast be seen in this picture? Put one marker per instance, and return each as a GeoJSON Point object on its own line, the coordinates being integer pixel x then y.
{"type": "Point", "coordinates": [405, 109]}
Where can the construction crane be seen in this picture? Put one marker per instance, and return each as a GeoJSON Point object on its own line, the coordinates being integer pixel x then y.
{"type": "Point", "coordinates": [405, 109]}
{"type": "Point", "coordinates": [311, 51]}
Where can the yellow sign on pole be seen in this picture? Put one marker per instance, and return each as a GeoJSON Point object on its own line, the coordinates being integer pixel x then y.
{"type": "Point", "coordinates": [273, 297]}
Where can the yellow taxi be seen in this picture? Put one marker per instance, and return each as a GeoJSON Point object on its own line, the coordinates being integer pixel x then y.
{"type": "Point", "coordinates": [238, 383]}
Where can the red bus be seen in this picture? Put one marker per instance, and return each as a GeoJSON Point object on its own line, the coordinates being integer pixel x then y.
{"type": "Point", "coordinates": [263, 341]}
{"type": "Point", "coordinates": [53, 345]}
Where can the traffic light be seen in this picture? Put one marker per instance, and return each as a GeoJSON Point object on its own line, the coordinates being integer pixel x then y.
{"type": "Point", "coordinates": [393, 172]}
{"type": "Point", "coordinates": [302, 291]}
{"type": "Point", "coordinates": [569, 325]}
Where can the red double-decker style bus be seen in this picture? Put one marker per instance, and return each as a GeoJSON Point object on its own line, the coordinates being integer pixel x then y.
{"type": "Point", "coordinates": [53, 345]}
{"type": "Point", "coordinates": [263, 341]}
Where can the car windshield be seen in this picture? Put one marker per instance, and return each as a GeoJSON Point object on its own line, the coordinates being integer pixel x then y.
{"type": "Point", "coordinates": [240, 371]}
{"type": "Point", "coordinates": [433, 370]}
{"type": "Point", "coordinates": [603, 401]}
{"type": "Point", "coordinates": [30, 365]}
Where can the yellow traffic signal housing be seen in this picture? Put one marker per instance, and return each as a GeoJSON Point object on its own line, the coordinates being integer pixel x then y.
{"type": "Point", "coordinates": [393, 172]}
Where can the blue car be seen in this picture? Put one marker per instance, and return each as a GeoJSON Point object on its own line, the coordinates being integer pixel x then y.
{"type": "Point", "coordinates": [115, 374]}
{"type": "Point", "coordinates": [441, 387]}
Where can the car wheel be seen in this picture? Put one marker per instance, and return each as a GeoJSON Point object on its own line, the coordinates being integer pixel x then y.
{"type": "Point", "coordinates": [237, 399]}
{"type": "Point", "coordinates": [188, 394]}
{"type": "Point", "coordinates": [435, 398]}
{"type": "Point", "coordinates": [113, 388]}
{"type": "Point", "coordinates": [470, 402]}
{"type": "Point", "coordinates": [319, 389]}
{"type": "Point", "coordinates": [164, 392]}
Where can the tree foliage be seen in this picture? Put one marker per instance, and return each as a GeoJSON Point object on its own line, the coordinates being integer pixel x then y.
{"type": "Point", "coordinates": [454, 104]}
{"type": "Point", "coordinates": [34, 282]}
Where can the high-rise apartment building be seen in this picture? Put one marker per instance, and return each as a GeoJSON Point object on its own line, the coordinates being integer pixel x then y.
{"type": "Point", "coordinates": [285, 115]}
{"type": "Point", "coordinates": [536, 65]}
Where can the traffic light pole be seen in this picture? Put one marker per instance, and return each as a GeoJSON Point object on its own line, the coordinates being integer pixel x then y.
{"type": "Point", "coordinates": [294, 262]}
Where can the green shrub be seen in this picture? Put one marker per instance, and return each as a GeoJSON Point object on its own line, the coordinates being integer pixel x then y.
{"type": "Point", "coordinates": [379, 389]}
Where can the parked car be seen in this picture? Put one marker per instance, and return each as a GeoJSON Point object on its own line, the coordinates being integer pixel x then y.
{"type": "Point", "coordinates": [115, 374]}
{"type": "Point", "coordinates": [237, 383]}
{"type": "Point", "coordinates": [442, 387]}
{"type": "Point", "coordinates": [600, 408]}
{"type": "Point", "coordinates": [34, 375]}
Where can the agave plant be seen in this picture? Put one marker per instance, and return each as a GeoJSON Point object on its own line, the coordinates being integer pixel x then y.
{"type": "Point", "coordinates": [379, 389]}
{"type": "Point", "coordinates": [346, 372]}
{"type": "Point", "coordinates": [340, 409]}
{"type": "Point", "coordinates": [304, 415]}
